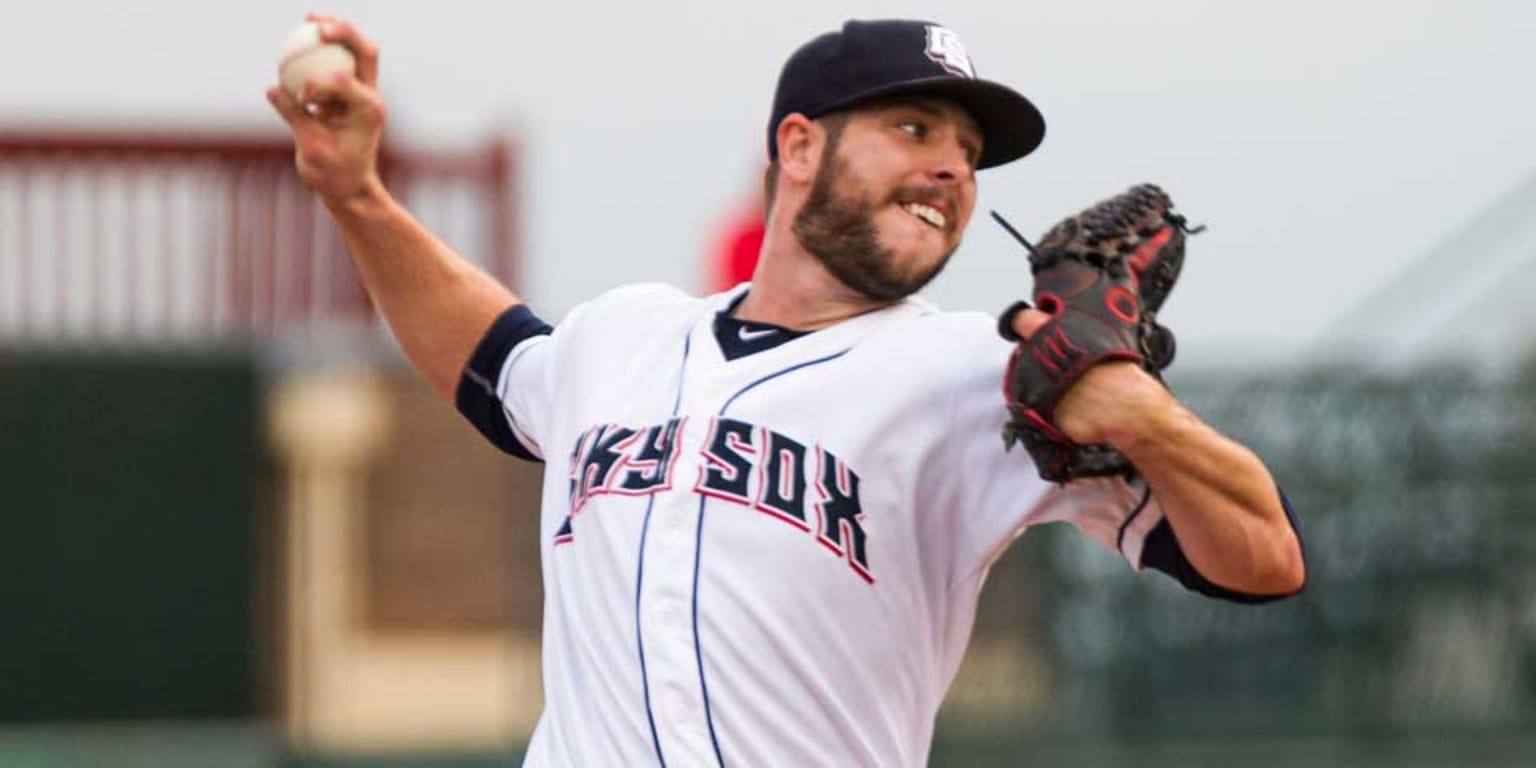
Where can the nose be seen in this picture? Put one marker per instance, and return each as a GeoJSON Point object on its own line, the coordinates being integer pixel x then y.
{"type": "Point", "coordinates": [951, 165]}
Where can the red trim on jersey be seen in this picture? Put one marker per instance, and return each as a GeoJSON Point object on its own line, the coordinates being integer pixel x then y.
{"type": "Point", "coordinates": [586, 489]}
{"type": "Point", "coordinates": [786, 484]}
{"type": "Point", "coordinates": [843, 526]}
{"type": "Point", "coordinates": [711, 458]}
{"type": "Point", "coordinates": [631, 463]}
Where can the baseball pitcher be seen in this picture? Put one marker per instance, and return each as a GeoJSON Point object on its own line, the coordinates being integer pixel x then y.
{"type": "Point", "coordinates": [767, 513]}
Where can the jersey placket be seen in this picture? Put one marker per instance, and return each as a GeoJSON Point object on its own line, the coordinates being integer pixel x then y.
{"type": "Point", "coordinates": [665, 600]}
{"type": "Point", "coordinates": [666, 622]}
{"type": "Point", "coordinates": [687, 728]}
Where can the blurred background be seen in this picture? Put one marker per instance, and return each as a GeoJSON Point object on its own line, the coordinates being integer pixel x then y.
{"type": "Point", "coordinates": [239, 532]}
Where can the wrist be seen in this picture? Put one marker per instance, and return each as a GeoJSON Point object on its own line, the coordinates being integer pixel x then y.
{"type": "Point", "coordinates": [1116, 403]}
{"type": "Point", "coordinates": [368, 200]}
{"type": "Point", "coordinates": [1148, 417]}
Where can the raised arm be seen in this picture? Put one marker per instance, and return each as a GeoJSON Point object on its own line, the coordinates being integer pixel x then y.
{"type": "Point", "coordinates": [437, 303]}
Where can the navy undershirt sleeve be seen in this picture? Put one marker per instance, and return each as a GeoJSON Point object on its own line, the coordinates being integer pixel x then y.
{"type": "Point", "coordinates": [1162, 552]}
{"type": "Point", "coordinates": [476, 396]}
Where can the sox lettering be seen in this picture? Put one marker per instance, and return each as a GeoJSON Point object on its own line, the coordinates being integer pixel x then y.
{"type": "Point", "coordinates": [744, 464]}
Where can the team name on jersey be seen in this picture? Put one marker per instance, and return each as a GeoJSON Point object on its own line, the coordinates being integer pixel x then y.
{"type": "Point", "coordinates": [747, 465]}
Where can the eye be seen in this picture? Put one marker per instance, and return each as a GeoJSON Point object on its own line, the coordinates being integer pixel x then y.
{"type": "Point", "coordinates": [913, 128]}
{"type": "Point", "coordinates": [972, 153]}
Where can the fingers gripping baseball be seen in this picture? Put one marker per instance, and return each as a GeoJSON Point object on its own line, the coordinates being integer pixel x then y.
{"type": "Point", "coordinates": [336, 118]}
{"type": "Point", "coordinates": [334, 30]}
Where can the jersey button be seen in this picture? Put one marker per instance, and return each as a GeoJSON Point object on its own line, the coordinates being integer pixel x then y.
{"type": "Point", "coordinates": [681, 710]}
{"type": "Point", "coordinates": [672, 614]}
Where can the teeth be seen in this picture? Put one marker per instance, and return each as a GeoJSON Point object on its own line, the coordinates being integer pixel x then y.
{"type": "Point", "coordinates": [930, 215]}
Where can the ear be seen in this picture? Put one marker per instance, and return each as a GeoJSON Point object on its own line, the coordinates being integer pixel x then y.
{"type": "Point", "coordinates": [800, 141]}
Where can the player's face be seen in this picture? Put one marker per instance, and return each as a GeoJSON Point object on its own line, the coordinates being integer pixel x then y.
{"type": "Point", "coordinates": [894, 192]}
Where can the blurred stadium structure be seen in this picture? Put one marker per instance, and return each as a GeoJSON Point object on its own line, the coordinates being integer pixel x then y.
{"type": "Point", "coordinates": [237, 542]}
{"type": "Point", "coordinates": [1466, 300]}
{"type": "Point", "coordinates": [241, 511]}
{"type": "Point", "coordinates": [161, 237]}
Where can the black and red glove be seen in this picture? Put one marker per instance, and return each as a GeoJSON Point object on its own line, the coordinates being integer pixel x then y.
{"type": "Point", "coordinates": [1102, 275]}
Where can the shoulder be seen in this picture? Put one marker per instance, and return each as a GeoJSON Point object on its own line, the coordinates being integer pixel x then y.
{"type": "Point", "coordinates": [940, 353]}
{"type": "Point", "coordinates": [643, 296]}
{"type": "Point", "coordinates": [944, 335]}
{"type": "Point", "coordinates": [969, 324]}
{"type": "Point", "coordinates": [918, 315]}
{"type": "Point", "coordinates": [634, 305]}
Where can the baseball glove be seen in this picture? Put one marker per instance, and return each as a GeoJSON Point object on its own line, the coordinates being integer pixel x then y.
{"type": "Point", "coordinates": [1102, 275]}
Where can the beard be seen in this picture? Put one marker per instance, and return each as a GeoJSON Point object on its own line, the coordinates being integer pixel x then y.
{"type": "Point", "coordinates": [839, 230]}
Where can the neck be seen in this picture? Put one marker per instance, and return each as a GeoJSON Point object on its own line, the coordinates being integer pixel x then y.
{"type": "Point", "coordinates": [791, 288]}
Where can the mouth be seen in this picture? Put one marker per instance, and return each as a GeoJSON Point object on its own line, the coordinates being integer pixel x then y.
{"type": "Point", "coordinates": [928, 214]}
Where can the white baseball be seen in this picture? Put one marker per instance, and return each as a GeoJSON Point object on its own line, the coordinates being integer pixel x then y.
{"type": "Point", "coordinates": [306, 57]}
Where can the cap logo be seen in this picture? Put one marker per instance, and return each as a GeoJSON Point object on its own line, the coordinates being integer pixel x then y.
{"type": "Point", "coordinates": [944, 49]}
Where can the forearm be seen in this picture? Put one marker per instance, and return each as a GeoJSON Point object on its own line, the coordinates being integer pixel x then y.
{"type": "Point", "coordinates": [1219, 498]}
{"type": "Point", "coordinates": [437, 303]}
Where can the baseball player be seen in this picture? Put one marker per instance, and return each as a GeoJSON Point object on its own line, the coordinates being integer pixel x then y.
{"type": "Point", "coordinates": [767, 513]}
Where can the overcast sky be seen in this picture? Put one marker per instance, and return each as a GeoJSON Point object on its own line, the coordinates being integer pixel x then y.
{"type": "Point", "coordinates": [1327, 143]}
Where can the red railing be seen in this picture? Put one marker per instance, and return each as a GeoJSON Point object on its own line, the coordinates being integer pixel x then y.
{"type": "Point", "coordinates": [160, 237]}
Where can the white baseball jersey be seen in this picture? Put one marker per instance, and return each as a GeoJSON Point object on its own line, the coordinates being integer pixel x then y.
{"type": "Point", "coordinates": [771, 560]}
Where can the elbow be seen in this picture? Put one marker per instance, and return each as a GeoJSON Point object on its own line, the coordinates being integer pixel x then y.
{"type": "Point", "coordinates": [1275, 574]}
{"type": "Point", "coordinates": [1286, 574]}
{"type": "Point", "coordinates": [1292, 572]}
{"type": "Point", "coordinates": [1292, 553]}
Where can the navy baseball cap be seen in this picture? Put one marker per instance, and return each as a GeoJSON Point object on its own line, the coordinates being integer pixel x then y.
{"type": "Point", "coordinates": [874, 59]}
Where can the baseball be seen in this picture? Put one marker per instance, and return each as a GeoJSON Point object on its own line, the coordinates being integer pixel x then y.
{"type": "Point", "coordinates": [305, 56]}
